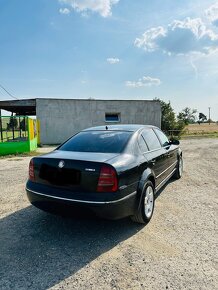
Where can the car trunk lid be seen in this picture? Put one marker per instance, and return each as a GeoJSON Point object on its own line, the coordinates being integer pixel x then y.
{"type": "Point", "coordinates": [76, 171]}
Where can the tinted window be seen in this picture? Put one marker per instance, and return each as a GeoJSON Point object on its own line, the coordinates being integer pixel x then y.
{"type": "Point", "coordinates": [151, 139]}
{"type": "Point", "coordinates": [163, 138]}
{"type": "Point", "coordinates": [142, 145]}
{"type": "Point", "coordinates": [97, 141]}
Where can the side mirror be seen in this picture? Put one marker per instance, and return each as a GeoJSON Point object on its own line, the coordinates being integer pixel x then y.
{"type": "Point", "coordinates": [174, 142]}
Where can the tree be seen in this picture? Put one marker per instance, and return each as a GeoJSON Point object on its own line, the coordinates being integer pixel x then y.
{"type": "Point", "coordinates": [201, 118]}
{"type": "Point", "coordinates": [12, 123]}
{"type": "Point", "coordinates": [24, 124]}
{"type": "Point", "coordinates": [168, 117]}
{"type": "Point", "coordinates": [187, 116]}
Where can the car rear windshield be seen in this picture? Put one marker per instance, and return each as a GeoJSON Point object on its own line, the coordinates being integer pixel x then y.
{"type": "Point", "coordinates": [97, 141]}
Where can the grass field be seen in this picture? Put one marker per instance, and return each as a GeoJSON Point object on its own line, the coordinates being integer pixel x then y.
{"type": "Point", "coordinates": [205, 130]}
{"type": "Point", "coordinates": [213, 127]}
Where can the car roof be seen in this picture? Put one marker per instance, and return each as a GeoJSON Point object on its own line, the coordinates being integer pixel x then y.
{"type": "Point", "coordinates": [121, 127]}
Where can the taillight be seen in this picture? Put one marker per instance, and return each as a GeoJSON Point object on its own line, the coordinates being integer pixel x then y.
{"type": "Point", "coordinates": [107, 181]}
{"type": "Point", "coordinates": [31, 170]}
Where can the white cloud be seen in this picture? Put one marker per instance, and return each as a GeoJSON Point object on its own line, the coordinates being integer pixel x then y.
{"type": "Point", "coordinates": [112, 60]}
{"type": "Point", "coordinates": [212, 14]}
{"type": "Point", "coordinates": [64, 10]}
{"type": "Point", "coordinates": [144, 82]}
{"type": "Point", "coordinates": [180, 37]}
{"type": "Point", "coordinates": [149, 38]}
{"type": "Point", "coordinates": [103, 7]}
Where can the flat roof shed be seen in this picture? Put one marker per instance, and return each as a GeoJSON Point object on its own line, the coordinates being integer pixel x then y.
{"type": "Point", "coordinates": [20, 107]}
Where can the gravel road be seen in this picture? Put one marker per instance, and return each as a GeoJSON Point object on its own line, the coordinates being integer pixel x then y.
{"type": "Point", "coordinates": [178, 249]}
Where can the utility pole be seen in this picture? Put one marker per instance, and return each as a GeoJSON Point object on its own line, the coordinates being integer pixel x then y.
{"type": "Point", "coordinates": [209, 115]}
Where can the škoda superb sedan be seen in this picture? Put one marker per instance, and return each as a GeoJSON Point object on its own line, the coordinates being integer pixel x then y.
{"type": "Point", "coordinates": [114, 171]}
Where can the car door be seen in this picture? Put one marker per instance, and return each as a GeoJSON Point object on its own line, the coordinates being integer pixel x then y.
{"type": "Point", "coordinates": [156, 155]}
{"type": "Point", "coordinates": [170, 150]}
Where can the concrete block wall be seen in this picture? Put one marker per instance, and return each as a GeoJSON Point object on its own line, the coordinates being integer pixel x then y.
{"type": "Point", "coordinates": [61, 118]}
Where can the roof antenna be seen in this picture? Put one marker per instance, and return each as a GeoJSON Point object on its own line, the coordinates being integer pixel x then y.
{"type": "Point", "coordinates": [106, 127]}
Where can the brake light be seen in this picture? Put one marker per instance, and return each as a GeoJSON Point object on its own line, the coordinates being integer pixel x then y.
{"type": "Point", "coordinates": [31, 170]}
{"type": "Point", "coordinates": [107, 181]}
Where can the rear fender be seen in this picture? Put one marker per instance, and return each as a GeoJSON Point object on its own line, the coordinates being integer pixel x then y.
{"type": "Point", "coordinates": [148, 174]}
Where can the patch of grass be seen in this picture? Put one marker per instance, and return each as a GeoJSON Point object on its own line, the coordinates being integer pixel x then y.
{"type": "Point", "coordinates": [199, 135]}
{"type": "Point", "coordinates": [15, 159]}
{"type": "Point", "coordinates": [25, 154]}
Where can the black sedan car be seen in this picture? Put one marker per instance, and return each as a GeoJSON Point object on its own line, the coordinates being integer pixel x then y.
{"type": "Point", "coordinates": [114, 171]}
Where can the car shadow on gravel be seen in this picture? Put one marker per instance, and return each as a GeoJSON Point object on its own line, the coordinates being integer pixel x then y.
{"type": "Point", "coordinates": [159, 192]}
{"type": "Point", "coordinates": [38, 250]}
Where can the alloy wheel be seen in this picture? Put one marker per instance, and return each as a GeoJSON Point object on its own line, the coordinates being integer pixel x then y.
{"type": "Point", "coordinates": [149, 201]}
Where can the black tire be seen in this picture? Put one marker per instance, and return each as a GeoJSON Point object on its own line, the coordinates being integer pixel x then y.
{"type": "Point", "coordinates": [179, 168]}
{"type": "Point", "coordinates": [142, 216]}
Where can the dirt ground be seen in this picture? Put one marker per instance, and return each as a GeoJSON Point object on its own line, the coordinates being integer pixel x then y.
{"type": "Point", "coordinates": [176, 250]}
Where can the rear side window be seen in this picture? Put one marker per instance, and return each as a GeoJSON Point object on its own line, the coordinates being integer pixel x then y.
{"type": "Point", "coordinates": [151, 139]}
{"type": "Point", "coordinates": [163, 138]}
{"type": "Point", "coordinates": [97, 141]}
{"type": "Point", "coordinates": [142, 145]}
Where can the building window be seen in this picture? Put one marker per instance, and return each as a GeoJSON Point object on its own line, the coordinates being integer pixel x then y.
{"type": "Point", "coordinates": [112, 117]}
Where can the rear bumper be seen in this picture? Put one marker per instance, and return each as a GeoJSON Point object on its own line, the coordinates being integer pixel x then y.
{"type": "Point", "coordinates": [114, 209]}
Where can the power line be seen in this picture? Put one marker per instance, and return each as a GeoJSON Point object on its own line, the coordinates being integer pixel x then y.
{"type": "Point", "coordinates": [2, 94]}
{"type": "Point", "coordinates": [8, 93]}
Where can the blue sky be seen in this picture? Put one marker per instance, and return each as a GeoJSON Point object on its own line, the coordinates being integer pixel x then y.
{"type": "Point", "coordinates": [111, 49]}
